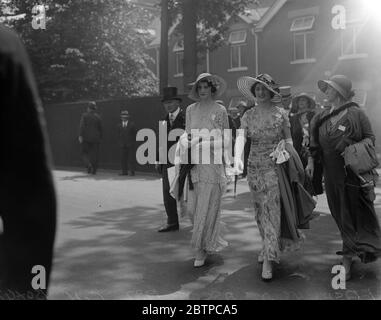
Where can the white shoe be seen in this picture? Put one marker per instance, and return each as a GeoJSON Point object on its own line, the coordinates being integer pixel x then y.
{"type": "Point", "coordinates": [267, 272]}
{"type": "Point", "coordinates": [200, 259]}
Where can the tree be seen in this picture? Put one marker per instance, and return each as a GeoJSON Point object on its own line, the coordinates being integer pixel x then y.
{"type": "Point", "coordinates": [90, 49]}
{"type": "Point", "coordinates": [203, 25]}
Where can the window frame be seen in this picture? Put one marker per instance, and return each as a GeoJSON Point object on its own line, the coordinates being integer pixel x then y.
{"type": "Point", "coordinates": [355, 27]}
{"type": "Point", "coordinates": [304, 27]}
{"type": "Point", "coordinates": [237, 44]}
{"type": "Point", "coordinates": [178, 58]}
{"type": "Point", "coordinates": [305, 58]}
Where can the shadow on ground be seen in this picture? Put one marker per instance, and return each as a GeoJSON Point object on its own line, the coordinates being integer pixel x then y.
{"type": "Point", "coordinates": [126, 258]}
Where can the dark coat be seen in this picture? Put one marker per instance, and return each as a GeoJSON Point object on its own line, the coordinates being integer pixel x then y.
{"type": "Point", "coordinates": [27, 195]}
{"type": "Point", "coordinates": [127, 136]}
{"type": "Point", "coordinates": [314, 186]}
{"type": "Point", "coordinates": [90, 127]}
{"type": "Point", "coordinates": [179, 123]}
{"type": "Point", "coordinates": [297, 131]}
{"type": "Point", "coordinates": [297, 204]}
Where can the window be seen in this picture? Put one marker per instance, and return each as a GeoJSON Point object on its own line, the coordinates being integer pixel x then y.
{"type": "Point", "coordinates": [178, 49]}
{"type": "Point", "coordinates": [351, 42]}
{"type": "Point", "coordinates": [237, 40]}
{"type": "Point", "coordinates": [302, 24]}
{"type": "Point", "coordinates": [303, 46]}
{"type": "Point", "coordinates": [303, 38]}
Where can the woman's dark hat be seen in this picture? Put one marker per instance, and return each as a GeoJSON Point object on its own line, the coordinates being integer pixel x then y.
{"type": "Point", "coordinates": [340, 83]}
{"type": "Point", "coordinates": [170, 93]}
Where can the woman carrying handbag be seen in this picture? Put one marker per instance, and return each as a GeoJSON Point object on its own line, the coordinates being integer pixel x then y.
{"type": "Point", "coordinates": [349, 199]}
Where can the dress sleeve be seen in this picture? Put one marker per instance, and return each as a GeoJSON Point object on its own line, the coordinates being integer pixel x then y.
{"type": "Point", "coordinates": [224, 120]}
{"type": "Point", "coordinates": [286, 119]}
{"type": "Point", "coordinates": [188, 119]}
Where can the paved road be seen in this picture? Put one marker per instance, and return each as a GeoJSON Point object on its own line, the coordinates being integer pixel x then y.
{"type": "Point", "coordinates": [108, 248]}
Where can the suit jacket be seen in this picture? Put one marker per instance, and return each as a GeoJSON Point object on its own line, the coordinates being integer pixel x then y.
{"type": "Point", "coordinates": [127, 135]}
{"type": "Point", "coordinates": [27, 195]}
{"type": "Point", "coordinates": [179, 123]}
{"type": "Point", "coordinates": [90, 127]}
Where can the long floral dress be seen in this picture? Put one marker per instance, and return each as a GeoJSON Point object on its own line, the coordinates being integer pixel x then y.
{"type": "Point", "coordinates": [262, 176]}
{"type": "Point", "coordinates": [209, 180]}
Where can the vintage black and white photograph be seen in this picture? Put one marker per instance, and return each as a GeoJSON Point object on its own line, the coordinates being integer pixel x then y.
{"type": "Point", "coordinates": [190, 150]}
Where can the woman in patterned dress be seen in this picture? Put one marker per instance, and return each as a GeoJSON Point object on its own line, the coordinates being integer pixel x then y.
{"type": "Point", "coordinates": [208, 179]}
{"type": "Point", "coordinates": [266, 124]}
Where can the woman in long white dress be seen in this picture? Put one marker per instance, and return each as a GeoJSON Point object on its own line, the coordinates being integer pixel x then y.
{"type": "Point", "coordinates": [208, 178]}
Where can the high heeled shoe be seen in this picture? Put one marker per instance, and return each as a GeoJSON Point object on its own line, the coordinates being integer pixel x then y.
{"type": "Point", "coordinates": [200, 259]}
{"type": "Point", "coordinates": [267, 272]}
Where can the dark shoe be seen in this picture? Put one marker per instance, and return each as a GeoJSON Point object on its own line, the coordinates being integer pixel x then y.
{"type": "Point", "coordinates": [169, 227]}
{"type": "Point", "coordinates": [89, 169]}
{"type": "Point", "coordinates": [123, 174]}
{"type": "Point", "coordinates": [132, 173]}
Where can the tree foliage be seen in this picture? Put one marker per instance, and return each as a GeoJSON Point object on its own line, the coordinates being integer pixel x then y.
{"type": "Point", "coordinates": [213, 19]}
{"type": "Point", "coordinates": [90, 49]}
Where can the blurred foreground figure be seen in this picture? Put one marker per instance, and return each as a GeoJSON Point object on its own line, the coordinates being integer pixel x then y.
{"type": "Point", "coordinates": [27, 197]}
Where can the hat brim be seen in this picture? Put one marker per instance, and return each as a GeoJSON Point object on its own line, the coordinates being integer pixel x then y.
{"type": "Point", "coordinates": [172, 98]}
{"type": "Point", "coordinates": [323, 85]}
{"type": "Point", "coordinates": [221, 87]}
{"type": "Point", "coordinates": [245, 84]}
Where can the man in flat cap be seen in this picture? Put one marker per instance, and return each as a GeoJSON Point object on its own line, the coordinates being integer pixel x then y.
{"type": "Point", "coordinates": [127, 139]}
{"type": "Point", "coordinates": [90, 135]}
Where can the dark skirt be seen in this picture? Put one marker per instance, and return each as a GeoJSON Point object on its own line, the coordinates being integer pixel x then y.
{"type": "Point", "coordinates": [351, 205]}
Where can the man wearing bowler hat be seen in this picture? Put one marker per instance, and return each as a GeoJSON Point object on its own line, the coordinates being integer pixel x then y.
{"type": "Point", "coordinates": [175, 119]}
{"type": "Point", "coordinates": [127, 137]}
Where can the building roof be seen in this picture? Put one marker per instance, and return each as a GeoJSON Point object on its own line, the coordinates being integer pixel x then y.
{"type": "Point", "coordinates": [274, 9]}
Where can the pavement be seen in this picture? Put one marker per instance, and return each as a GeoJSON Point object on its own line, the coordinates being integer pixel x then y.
{"type": "Point", "coordinates": [108, 247]}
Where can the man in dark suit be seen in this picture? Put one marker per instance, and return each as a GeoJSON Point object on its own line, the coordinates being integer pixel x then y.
{"type": "Point", "coordinates": [127, 138]}
{"type": "Point", "coordinates": [27, 195]}
{"type": "Point", "coordinates": [175, 119]}
{"type": "Point", "coordinates": [90, 135]}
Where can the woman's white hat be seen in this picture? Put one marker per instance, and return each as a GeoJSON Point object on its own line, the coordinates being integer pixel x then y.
{"type": "Point", "coordinates": [217, 81]}
{"type": "Point", "coordinates": [245, 84]}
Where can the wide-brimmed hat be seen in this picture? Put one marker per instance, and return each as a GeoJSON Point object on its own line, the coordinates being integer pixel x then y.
{"type": "Point", "coordinates": [217, 82]}
{"type": "Point", "coordinates": [309, 97]}
{"type": "Point", "coordinates": [340, 83]}
{"type": "Point", "coordinates": [246, 83]}
{"type": "Point", "coordinates": [170, 93]}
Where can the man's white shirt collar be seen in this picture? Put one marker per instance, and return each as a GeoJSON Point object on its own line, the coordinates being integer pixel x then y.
{"type": "Point", "coordinates": [174, 114]}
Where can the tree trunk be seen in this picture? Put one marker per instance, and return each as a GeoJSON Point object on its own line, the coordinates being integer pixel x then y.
{"type": "Point", "coordinates": [190, 43]}
{"type": "Point", "coordinates": [163, 70]}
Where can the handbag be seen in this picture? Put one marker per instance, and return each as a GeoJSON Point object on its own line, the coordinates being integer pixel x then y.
{"type": "Point", "coordinates": [361, 157]}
